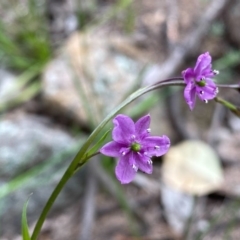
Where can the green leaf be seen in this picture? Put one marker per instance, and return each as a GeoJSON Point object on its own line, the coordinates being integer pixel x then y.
{"type": "Point", "coordinates": [25, 231]}
{"type": "Point", "coordinates": [98, 144]}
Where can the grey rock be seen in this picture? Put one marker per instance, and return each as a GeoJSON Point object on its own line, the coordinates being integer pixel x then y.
{"type": "Point", "coordinates": [62, 19]}
{"type": "Point", "coordinates": [177, 207]}
{"type": "Point", "coordinates": [8, 86]}
{"type": "Point", "coordinates": [33, 158]}
{"type": "Point", "coordinates": [25, 140]}
{"type": "Point", "coordinates": [89, 77]}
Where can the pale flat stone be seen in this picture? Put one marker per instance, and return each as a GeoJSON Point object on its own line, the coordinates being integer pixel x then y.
{"type": "Point", "coordinates": [89, 77]}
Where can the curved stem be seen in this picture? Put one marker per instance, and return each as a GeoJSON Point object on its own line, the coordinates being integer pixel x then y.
{"type": "Point", "coordinates": [165, 83]}
{"type": "Point", "coordinates": [225, 103]}
{"type": "Point", "coordinates": [168, 80]}
{"type": "Point", "coordinates": [79, 161]}
{"type": "Point", "coordinates": [67, 175]}
{"type": "Point", "coordinates": [234, 109]}
{"type": "Point", "coordinates": [233, 86]}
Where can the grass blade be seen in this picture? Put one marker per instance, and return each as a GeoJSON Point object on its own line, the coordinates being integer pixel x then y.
{"type": "Point", "coordinates": [25, 231]}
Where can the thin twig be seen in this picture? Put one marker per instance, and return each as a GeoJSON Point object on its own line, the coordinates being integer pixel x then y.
{"type": "Point", "coordinates": [187, 230]}
{"type": "Point", "coordinates": [233, 86]}
{"type": "Point", "coordinates": [135, 204]}
{"type": "Point", "coordinates": [149, 185]}
{"type": "Point", "coordinates": [176, 117]}
{"type": "Point", "coordinates": [89, 205]}
{"type": "Point", "coordinates": [192, 40]}
{"type": "Point", "coordinates": [172, 22]}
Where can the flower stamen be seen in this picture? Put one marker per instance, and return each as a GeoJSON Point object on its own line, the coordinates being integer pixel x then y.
{"type": "Point", "coordinates": [134, 167]}
{"type": "Point", "coordinates": [150, 162]}
{"type": "Point", "coordinates": [133, 137]}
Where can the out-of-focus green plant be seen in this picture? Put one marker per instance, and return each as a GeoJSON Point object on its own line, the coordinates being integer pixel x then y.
{"type": "Point", "coordinates": [23, 89]}
{"type": "Point", "coordinates": [226, 65]}
{"type": "Point", "coordinates": [122, 11]}
{"type": "Point", "coordinates": [24, 41]}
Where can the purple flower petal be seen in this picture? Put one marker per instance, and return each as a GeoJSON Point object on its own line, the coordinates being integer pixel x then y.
{"type": "Point", "coordinates": [124, 171]}
{"type": "Point", "coordinates": [190, 95]}
{"type": "Point", "coordinates": [144, 163]}
{"type": "Point", "coordinates": [188, 75]}
{"type": "Point", "coordinates": [203, 64]}
{"type": "Point", "coordinates": [157, 146]}
{"type": "Point", "coordinates": [112, 149]}
{"type": "Point", "coordinates": [142, 126]}
{"type": "Point", "coordinates": [208, 72]}
{"type": "Point", "coordinates": [124, 129]}
{"type": "Point", "coordinates": [207, 92]}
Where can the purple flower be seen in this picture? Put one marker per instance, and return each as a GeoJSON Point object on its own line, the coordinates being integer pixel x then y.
{"type": "Point", "coordinates": [134, 147]}
{"type": "Point", "coordinates": [199, 81]}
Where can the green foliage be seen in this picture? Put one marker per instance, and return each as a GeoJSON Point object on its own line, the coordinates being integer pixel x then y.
{"type": "Point", "coordinates": [23, 90]}
{"type": "Point", "coordinates": [226, 65]}
{"type": "Point", "coordinates": [218, 28]}
{"type": "Point", "coordinates": [25, 231]}
{"type": "Point", "coordinates": [229, 60]}
{"type": "Point", "coordinates": [129, 20]}
{"type": "Point", "coordinates": [108, 164]}
{"type": "Point", "coordinates": [24, 41]}
{"type": "Point", "coordinates": [122, 11]}
{"type": "Point", "coordinates": [85, 12]}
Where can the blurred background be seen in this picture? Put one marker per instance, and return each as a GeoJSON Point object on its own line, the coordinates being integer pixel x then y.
{"type": "Point", "coordinates": [64, 64]}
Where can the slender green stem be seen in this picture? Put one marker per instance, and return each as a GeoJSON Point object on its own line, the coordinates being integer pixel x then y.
{"type": "Point", "coordinates": [79, 159]}
{"type": "Point", "coordinates": [67, 175]}
{"type": "Point", "coordinates": [234, 109]}
{"type": "Point", "coordinates": [168, 80]}
{"type": "Point", "coordinates": [166, 83]}
{"type": "Point", "coordinates": [225, 103]}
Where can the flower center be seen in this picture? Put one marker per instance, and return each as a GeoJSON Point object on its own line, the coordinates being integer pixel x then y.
{"type": "Point", "coordinates": [136, 147]}
{"type": "Point", "coordinates": [201, 83]}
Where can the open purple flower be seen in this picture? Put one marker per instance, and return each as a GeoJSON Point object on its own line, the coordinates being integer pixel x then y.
{"type": "Point", "coordinates": [134, 147]}
{"type": "Point", "coordinates": [199, 81]}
